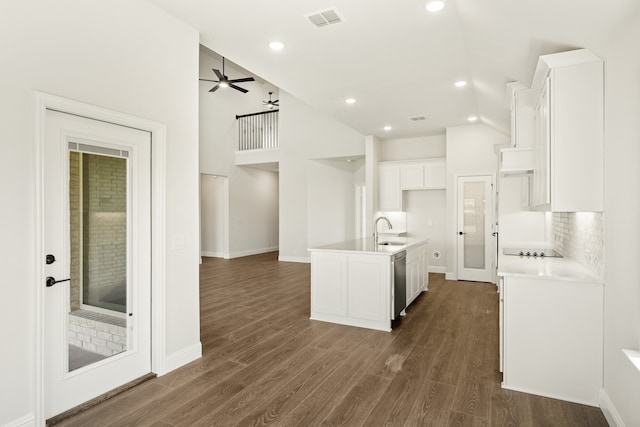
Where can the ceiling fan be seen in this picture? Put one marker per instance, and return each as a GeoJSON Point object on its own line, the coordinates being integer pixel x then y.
{"type": "Point", "coordinates": [225, 82]}
{"type": "Point", "coordinates": [271, 103]}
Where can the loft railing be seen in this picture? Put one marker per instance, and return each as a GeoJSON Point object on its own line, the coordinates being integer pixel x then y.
{"type": "Point", "coordinates": [258, 131]}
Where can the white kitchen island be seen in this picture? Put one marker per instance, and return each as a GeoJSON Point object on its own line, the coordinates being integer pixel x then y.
{"type": "Point", "coordinates": [352, 281]}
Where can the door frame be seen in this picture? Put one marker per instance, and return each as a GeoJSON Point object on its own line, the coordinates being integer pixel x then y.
{"type": "Point", "coordinates": [42, 103]}
{"type": "Point", "coordinates": [492, 174]}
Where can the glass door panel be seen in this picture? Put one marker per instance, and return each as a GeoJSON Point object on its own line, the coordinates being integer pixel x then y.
{"type": "Point", "coordinates": [474, 225]}
{"type": "Point", "coordinates": [98, 218]}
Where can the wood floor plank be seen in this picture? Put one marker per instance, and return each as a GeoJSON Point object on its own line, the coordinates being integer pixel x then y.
{"type": "Point", "coordinates": [358, 403]}
{"type": "Point", "coordinates": [266, 363]}
{"type": "Point", "coordinates": [510, 409]}
{"type": "Point", "coordinates": [432, 406]}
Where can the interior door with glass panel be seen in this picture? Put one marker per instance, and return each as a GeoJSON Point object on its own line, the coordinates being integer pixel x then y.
{"type": "Point", "coordinates": [475, 227]}
{"type": "Point", "coordinates": [97, 240]}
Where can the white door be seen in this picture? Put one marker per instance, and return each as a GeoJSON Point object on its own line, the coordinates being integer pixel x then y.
{"type": "Point", "coordinates": [97, 240]}
{"type": "Point", "coordinates": [475, 227]}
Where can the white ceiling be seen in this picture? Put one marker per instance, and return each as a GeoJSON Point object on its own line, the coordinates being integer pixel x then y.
{"type": "Point", "coordinates": [398, 60]}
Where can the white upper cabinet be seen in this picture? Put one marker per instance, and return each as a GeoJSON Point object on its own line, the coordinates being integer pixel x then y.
{"type": "Point", "coordinates": [435, 175]}
{"type": "Point", "coordinates": [518, 97]}
{"type": "Point", "coordinates": [394, 177]}
{"type": "Point", "coordinates": [412, 176]}
{"type": "Point", "coordinates": [568, 91]}
{"type": "Point", "coordinates": [390, 192]}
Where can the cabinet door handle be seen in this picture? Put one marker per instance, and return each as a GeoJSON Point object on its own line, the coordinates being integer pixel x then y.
{"type": "Point", "coordinates": [460, 233]}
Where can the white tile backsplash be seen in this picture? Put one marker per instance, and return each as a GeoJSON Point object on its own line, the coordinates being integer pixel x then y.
{"type": "Point", "coordinates": [580, 236]}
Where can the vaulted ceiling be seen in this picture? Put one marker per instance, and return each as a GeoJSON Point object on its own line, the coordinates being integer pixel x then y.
{"type": "Point", "coordinates": [396, 59]}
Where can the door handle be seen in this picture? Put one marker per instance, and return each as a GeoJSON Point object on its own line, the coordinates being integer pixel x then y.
{"type": "Point", "coordinates": [460, 233]}
{"type": "Point", "coordinates": [52, 281]}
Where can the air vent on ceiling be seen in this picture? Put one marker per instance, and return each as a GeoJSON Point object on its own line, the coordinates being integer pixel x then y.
{"type": "Point", "coordinates": [417, 118]}
{"type": "Point", "coordinates": [324, 18]}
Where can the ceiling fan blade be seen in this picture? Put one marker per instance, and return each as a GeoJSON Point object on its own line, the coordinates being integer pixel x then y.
{"type": "Point", "coordinates": [244, 79]}
{"type": "Point", "coordinates": [215, 88]}
{"type": "Point", "coordinates": [243, 90]}
{"type": "Point", "coordinates": [218, 73]}
{"type": "Point", "coordinates": [276, 101]}
{"type": "Point", "coordinates": [207, 80]}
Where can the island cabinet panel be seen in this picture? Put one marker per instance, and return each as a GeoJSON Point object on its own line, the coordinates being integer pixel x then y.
{"type": "Point", "coordinates": [329, 271]}
{"type": "Point", "coordinates": [351, 289]}
{"type": "Point", "coordinates": [369, 287]}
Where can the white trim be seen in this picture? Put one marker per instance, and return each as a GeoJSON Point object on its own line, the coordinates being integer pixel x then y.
{"type": "Point", "coordinates": [26, 421]}
{"type": "Point", "coordinates": [183, 356]}
{"type": "Point", "coordinates": [212, 255]}
{"type": "Point", "coordinates": [42, 102]}
{"type": "Point", "coordinates": [609, 410]}
{"type": "Point", "coordinates": [437, 269]}
{"type": "Point", "coordinates": [450, 276]}
{"type": "Point", "coordinates": [253, 252]}
{"type": "Point", "coordinates": [305, 260]}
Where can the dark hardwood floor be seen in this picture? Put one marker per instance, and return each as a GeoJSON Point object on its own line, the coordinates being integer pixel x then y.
{"type": "Point", "coordinates": [265, 363]}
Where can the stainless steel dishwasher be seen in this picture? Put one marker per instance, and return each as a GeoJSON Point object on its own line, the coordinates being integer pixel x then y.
{"type": "Point", "coordinates": [399, 265]}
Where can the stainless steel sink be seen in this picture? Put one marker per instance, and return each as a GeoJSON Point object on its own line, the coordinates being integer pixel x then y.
{"type": "Point", "coordinates": [390, 244]}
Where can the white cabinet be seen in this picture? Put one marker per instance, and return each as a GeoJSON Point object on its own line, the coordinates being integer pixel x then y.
{"type": "Point", "coordinates": [390, 192]}
{"type": "Point", "coordinates": [417, 271]}
{"type": "Point", "coordinates": [424, 267]}
{"type": "Point", "coordinates": [569, 132]}
{"type": "Point", "coordinates": [518, 96]}
{"type": "Point", "coordinates": [435, 174]}
{"type": "Point", "coordinates": [351, 289]}
{"type": "Point", "coordinates": [329, 271]}
{"type": "Point", "coordinates": [552, 337]}
{"type": "Point", "coordinates": [394, 177]}
{"type": "Point", "coordinates": [412, 176]}
{"type": "Point", "coordinates": [413, 274]}
{"type": "Point", "coordinates": [427, 174]}
{"type": "Point", "coordinates": [369, 288]}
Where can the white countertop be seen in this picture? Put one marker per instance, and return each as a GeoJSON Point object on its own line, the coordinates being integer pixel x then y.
{"type": "Point", "coordinates": [550, 268]}
{"type": "Point", "coordinates": [366, 246]}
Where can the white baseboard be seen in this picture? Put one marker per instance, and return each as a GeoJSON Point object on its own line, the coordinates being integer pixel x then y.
{"type": "Point", "coordinates": [212, 254]}
{"type": "Point", "coordinates": [253, 252]}
{"type": "Point", "coordinates": [609, 410]}
{"type": "Point", "coordinates": [182, 357]}
{"type": "Point", "coordinates": [26, 421]}
{"type": "Point", "coordinates": [450, 276]}
{"type": "Point", "coordinates": [437, 269]}
{"type": "Point", "coordinates": [305, 260]}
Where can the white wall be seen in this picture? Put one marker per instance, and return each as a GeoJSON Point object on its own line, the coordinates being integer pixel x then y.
{"type": "Point", "coordinates": [426, 217]}
{"type": "Point", "coordinates": [332, 200]}
{"type": "Point", "coordinates": [425, 147]}
{"type": "Point", "coordinates": [469, 151]}
{"type": "Point", "coordinates": [125, 56]}
{"type": "Point", "coordinates": [213, 219]}
{"type": "Point", "coordinates": [622, 224]}
{"type": "Point", "coordinates": [306, 133]}
{"type": "Point", "coordinates": [253, 193]}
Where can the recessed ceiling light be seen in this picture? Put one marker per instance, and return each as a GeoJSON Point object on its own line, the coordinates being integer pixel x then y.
{"type": "Point", "coordinates": [472, 118]}
{"type": "Point", "coordinates": [435, 5]}
{"type": "Point", "coordinates": [276, 45]}
{"type": "Point", "coordinates": [387, 128]}
{"type": "Point", "coordinates": [350, 100]}
{"type": "Point", "coordinates": [460, 83]}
